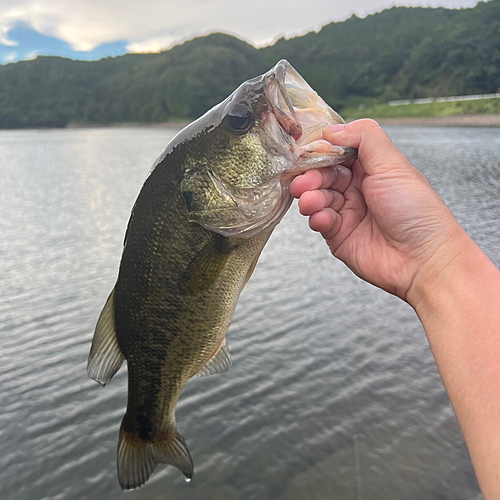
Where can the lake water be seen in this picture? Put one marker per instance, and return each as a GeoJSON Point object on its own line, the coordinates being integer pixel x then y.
{"type": "Point", "coordinates": [333, 393]}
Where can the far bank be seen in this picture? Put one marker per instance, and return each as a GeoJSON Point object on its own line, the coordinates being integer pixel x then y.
{"type": "Point", "coordinates": [434, 121]}
{"type": "Point", "coordinates": [444, 121]}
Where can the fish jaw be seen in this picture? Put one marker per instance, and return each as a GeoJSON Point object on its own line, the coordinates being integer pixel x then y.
{"type": "Point", "coordinates": [303, 114]}
{"type": "Point", "coordinates": [300, 110]}
{"type": "Point", "coordinates": [241, 199]}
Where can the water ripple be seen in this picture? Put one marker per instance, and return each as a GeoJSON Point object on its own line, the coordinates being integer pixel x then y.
{"type": "Point", "coordinates": [333, 386]}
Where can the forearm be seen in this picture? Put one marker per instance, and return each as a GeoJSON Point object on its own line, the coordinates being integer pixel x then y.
{"type": "Point", "coordinates": [459, 306]}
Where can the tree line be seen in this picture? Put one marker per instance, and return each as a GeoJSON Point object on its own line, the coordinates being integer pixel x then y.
{"type": "Point", "coordinates": [399, 53]}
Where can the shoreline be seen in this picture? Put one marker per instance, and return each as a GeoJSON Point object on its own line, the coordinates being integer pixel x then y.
{"type": "Point", "coordinates": [444, 121]}
{"type": "Point", "coordinates": [178, 124]}
{"type": "Point", "coordinates": [430, 121]}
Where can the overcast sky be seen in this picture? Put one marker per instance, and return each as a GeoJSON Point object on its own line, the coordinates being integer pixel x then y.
{"type": "Point", "coordinates": [93, 28]}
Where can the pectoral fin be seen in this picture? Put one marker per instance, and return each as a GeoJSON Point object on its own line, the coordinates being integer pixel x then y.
{"type": "Point", "coordinates": [105, 356]}
{"type": "Point", "coordinates": [220, 362]}
{"type": "Point", "coordinates": [205, 268]}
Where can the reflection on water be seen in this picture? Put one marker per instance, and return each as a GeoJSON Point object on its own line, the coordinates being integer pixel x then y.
{"type": "Point", "coordinates": [333, 392]}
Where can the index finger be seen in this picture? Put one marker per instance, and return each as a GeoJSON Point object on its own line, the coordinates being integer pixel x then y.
{"type": "Point", "coordinates": [337, 176]}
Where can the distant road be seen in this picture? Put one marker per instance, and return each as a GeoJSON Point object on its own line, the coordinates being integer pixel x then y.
{"type": "Point", "coordinates": [452, 98]}
{"type": "Point", "coordinates": [446, 121]}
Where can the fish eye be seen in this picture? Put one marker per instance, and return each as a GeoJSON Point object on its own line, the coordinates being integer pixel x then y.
{"type": "Point", "coordinates": [239, 118]}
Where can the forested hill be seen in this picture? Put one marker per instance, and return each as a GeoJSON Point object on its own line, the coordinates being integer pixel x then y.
{"type": "Point", "coordinates": [398, 53]}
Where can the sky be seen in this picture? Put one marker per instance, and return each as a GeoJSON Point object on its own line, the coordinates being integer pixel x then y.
{"type": "Point", "coordinates": [91, 29]}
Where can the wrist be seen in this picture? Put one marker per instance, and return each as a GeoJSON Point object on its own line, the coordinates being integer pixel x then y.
{"type": "Point", "coordinates": [453, 260]}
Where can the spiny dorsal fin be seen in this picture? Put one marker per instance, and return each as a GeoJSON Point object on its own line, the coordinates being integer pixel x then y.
{"type": "Point", "coordinates": [129, 224]}
{"type": "Point", "coordinates": [137, 458]}
{"type": "Point", "coordinates": [205, 268]}
{"type": "Point", "coordinates": [105, 356]}
{"type": "Point", "coordinates": [220, 362]}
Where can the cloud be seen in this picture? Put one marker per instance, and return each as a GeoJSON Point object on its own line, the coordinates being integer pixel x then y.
{"type": "Point", "coordinates": [152, 25]}
{"type": "Point", "coordinates": [155, 44]}
{"type": "Point", "coordinates": [12, 56]}
{"type": "Point", "coordinates": [4, 35]}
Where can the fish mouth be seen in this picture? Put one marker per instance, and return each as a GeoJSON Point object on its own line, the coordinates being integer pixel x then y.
{"type": "Point", "coordinates": [300, 111]}
{"type": "Point", "coordinates": [292, 117]}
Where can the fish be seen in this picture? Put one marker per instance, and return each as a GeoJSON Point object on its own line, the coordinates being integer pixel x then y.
{"type": "Point", "coordinates": [202, 218]}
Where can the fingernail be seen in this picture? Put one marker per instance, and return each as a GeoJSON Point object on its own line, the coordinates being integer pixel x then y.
{"type": "Point", "coordinates": [338, 127]}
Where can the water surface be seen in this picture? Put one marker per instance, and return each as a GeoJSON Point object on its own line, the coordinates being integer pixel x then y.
{"type": "Point", "coordinates": [333, 393]}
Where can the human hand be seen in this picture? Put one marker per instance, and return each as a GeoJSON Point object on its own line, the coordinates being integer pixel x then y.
{"type": "Point", "coordinates": [381, 217]}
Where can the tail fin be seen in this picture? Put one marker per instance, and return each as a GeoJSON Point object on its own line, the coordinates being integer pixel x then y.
{"type": "Point", "coordinates": [137, 458]}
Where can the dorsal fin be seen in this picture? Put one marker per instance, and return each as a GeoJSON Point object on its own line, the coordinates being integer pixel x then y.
{"type": "Point", "coordinates": [219, 363]}
{"type": "Point", "coordinates": [105, 356]}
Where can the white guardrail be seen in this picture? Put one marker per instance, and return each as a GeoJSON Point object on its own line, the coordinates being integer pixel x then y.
{"type": "Point", "coordinates": [427, 100]}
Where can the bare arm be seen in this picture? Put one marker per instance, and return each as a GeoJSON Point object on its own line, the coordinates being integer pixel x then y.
{"type": "Point", "coordinates": [459, 306]}
{"type": "Point", "coordinates": [389, 226]}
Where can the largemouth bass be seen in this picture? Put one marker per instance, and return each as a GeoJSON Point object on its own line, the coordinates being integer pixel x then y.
{"type": "Point", "coordinates": [202, 218]}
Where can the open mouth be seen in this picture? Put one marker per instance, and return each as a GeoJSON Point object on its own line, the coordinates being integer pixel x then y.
{"type": "Point", "coordinates": [300, 110]}
{"type": "Point", "coordinates": [303, 114]}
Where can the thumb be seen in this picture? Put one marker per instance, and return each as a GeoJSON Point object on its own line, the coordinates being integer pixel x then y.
{"type": "Point", "coordinates": [376, 152]}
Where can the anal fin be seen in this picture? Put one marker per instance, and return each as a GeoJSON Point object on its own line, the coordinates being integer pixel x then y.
{"type": "Point", "coordinates": [105, 356]}
{"type": "Point", "coordinates": [220, 362]}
